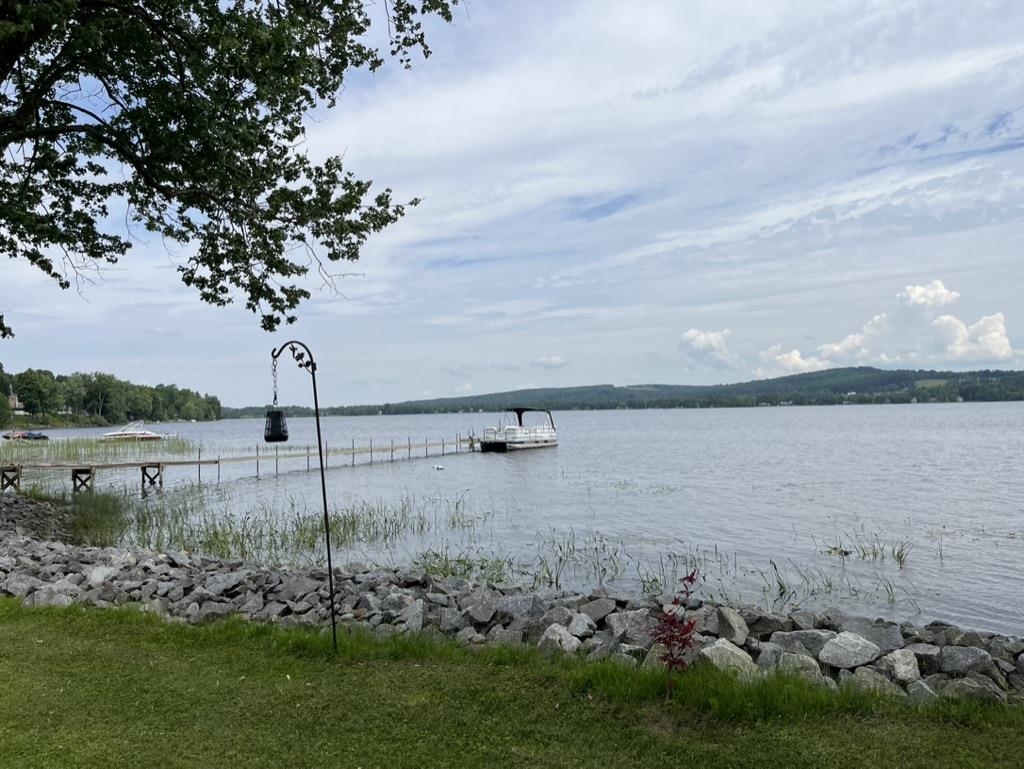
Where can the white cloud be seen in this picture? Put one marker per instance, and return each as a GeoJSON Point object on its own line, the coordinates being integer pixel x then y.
{"type": "Point", "coordinates": [464, 389]}
{"type": "Point", "coordinates": [709, 343]}
{"type": "Point", "coordinates": [550, 361]}
{"type": "Point", "coordinates": [909, 336]}
{"type": "Point", "coordinates": [985, 341]}
{"type": "Point", "coordinates": [791, 362]}
{"type": "Point", "coordinates": [860, 344]}
{"type": "Point", "coordinates": [935, 294]}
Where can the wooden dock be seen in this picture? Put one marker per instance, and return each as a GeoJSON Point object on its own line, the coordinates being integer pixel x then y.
{"type": "Point", "coordinates": [83, 474]}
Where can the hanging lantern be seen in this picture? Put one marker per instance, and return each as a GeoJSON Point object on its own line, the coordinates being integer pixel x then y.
{"type": "Point", "coordinates": [276, 429]}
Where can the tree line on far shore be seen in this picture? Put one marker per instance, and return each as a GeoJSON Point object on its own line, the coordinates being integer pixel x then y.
{"type": "Point", "coordinates": [97, 399]}
{"type": "Point", "coordinates": [853, 385]}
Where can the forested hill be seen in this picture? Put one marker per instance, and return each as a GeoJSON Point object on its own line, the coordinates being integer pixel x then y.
{"type": "Point", "coordinates": [841, 385]}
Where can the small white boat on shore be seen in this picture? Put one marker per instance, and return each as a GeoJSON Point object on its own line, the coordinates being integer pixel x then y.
{"type": "Point", "coordinates": [134, 432]}
{"type": "Point", "coordinates": [517, 435]}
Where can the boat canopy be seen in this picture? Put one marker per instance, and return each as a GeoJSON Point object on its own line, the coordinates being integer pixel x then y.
{"type": "Point", "coordinates": [520, 410]}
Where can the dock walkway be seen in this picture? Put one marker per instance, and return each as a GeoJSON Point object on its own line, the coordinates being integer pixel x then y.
{"type": "Point", "coordinates": [83, 473]}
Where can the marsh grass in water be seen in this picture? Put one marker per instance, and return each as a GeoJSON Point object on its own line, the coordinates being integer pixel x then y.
{"type": "Point", "coordinates": [445, 536]}
{"type": "Point", "coordinates": [92, 450]}
{"type": "Point", "coordinates": [870, 548]}
{"type": "Point", "coordinates": [288, 535]}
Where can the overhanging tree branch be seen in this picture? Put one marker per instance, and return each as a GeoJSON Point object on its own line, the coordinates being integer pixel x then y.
{"type": "Point", "coordinates": [203, 104]}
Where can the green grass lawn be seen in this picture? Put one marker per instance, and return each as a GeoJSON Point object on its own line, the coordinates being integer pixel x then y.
{"type": "Point", "coordinates": [92, 688]}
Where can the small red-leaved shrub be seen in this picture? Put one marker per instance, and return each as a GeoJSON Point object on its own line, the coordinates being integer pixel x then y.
{"type": "Point", "coordinates": [675, 632]}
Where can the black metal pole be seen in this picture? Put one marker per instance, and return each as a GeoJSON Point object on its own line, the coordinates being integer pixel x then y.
{"type": "Point", "coordinates": [310, 366]}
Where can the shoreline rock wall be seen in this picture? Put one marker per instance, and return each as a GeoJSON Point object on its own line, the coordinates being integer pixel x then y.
{"type": "Point", "coordinates": [903, 660]}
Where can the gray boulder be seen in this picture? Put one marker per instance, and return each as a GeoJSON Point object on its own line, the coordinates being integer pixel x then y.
{"type": "Point", "coordinates": [212, 610]}
{"type": "Point", "coordinates": [558, 615]}
{"type": "Point", "coordinates": [97, 575]}
{"type": "Point", "coordinates": [653, 658]}
{"type": "Point", "coordinates": [557, 638]}
{"type": "Point", "coordinates": [705, 618]}
{"type": "Point", "coordinates": [520, 606]}
{"type": "Point", "coordinates": [1006, 649]}
{"type": "Point", "coordinates": [582, 626]}
{"type": "Point", "coordinates": [500, 636]}
{"type": "Point", "coordinates": [415, 616]}
{"type": "Point", "coordinates": [901, 665]}
{"type": "Point", "coordinates": [928, 657]}
{"type": "Point", "coordinates": [731, 626]}
{"type": "Point", "coordinates": [599, 608]}
{"type": "Point", "coordinates": [481, 606]}
{"type": "Point", "coordinates": [848, 650]}
{"type": "Point", "coordinates": [634, 626]}
{"type": "Point", "coordinates": [48, 595]}
{"type": "Point", "coordinates": [453, 620]}
{"type": "Point", "coordinates": [469, 637]}
{"type": "Point", "coordinates": [804, 667]}
{"type": "Point", "coordinates": [20, 585]}
{"type": "Point", "coordinates": [225, 583]}
{"type": "Point", "coordinates": [296, 587]}
{"type": "Point", "coordinates": [396, 602]}
{"type": "Point", "coordinates": [762, 625]}
{"type": "Point", "coordinates": [867, 679]}
{"type": "Point", "coordinates": [887, 636]}
{"type": "Point", "coordinates": [921, 693]}
{"type": "Point", "coordinates": [961, 660]}
{"type": "Point", "coordinates": [770, 653]}
{"type": "Point", "coordinates": [804, 620]}
{"type": "Point", "coordinates": [974, 687]}
{"type": "Point", "coordinates": [956, 637]}
{"type": "Point", "coordinates": [801, 641]}
{"type": "Point", "coordinates": [727, 656]}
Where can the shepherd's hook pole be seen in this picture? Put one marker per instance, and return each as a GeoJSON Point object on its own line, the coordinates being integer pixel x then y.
{"type": "Point", "coordinates": [305, 361]}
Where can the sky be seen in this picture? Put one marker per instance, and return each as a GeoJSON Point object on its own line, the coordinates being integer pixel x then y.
{"type": "Point", "coordinates": [626, 193]}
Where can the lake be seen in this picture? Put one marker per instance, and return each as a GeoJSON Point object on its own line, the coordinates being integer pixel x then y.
{"type": "Point", "coordinates": [913, 512]}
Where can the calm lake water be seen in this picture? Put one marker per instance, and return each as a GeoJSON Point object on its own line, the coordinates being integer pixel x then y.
{"type": "Point", "coordinates": [911, 512]}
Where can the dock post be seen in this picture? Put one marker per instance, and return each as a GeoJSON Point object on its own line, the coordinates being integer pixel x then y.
{"type": "Point", "coordinates": [307, 458]}
{"type": "Point", "coordinates": [442, 445]}
{"type": "Point", "coordinates": [426, 447]}
{"type": "Point", "coordinates": [371, 451]}
{"type": "Point", "coordinates": [218, 469]}
{"type": "Point", "coordinates": [81, 479]}
{"type": "Point", "coordinates": [152, 475]}
{"type": "Point", "coordinates": [199, 464]}
{"type": "Point", "coordinates": [10, 478]}
{"type": "Point", "coordinates": [276, 462]}
{"type": "Point", "coordinates": [392, 449]}
{"type": "Point", "coordinates": [410, 447]}
{"type": "Point", "coordinates": [257, 460]}
{"type": "Point", "coordinates": [353, 452]}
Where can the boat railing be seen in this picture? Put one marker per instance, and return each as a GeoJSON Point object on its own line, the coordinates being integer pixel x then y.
{"type": "Point", "coordinates": [514, 432]}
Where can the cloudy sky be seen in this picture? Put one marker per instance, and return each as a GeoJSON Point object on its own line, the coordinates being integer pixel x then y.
{"type": "Point", "coordinates": [627, 193]}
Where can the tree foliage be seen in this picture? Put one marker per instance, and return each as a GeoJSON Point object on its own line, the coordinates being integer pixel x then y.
{"type": "Point", "coordinates": [5, 389]}
{"type": "Point", "coordinates": [191, 113]}
{"type": "Point", "coordinates": [100, 398]}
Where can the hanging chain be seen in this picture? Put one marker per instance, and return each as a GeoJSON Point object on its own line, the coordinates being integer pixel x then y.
{"type": "Point", "coordinates": [273, 369]}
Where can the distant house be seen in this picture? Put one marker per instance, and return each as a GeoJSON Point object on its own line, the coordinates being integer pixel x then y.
{"type": "Point", "coordinates": [16, 406]}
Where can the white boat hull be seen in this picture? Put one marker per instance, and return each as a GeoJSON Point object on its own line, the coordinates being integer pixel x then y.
{"type": "Point", "coordinates": [517, 438]}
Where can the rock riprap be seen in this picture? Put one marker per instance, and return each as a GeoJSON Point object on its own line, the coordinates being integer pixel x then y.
{"type": "Point", "coordinates": [920, 663]}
